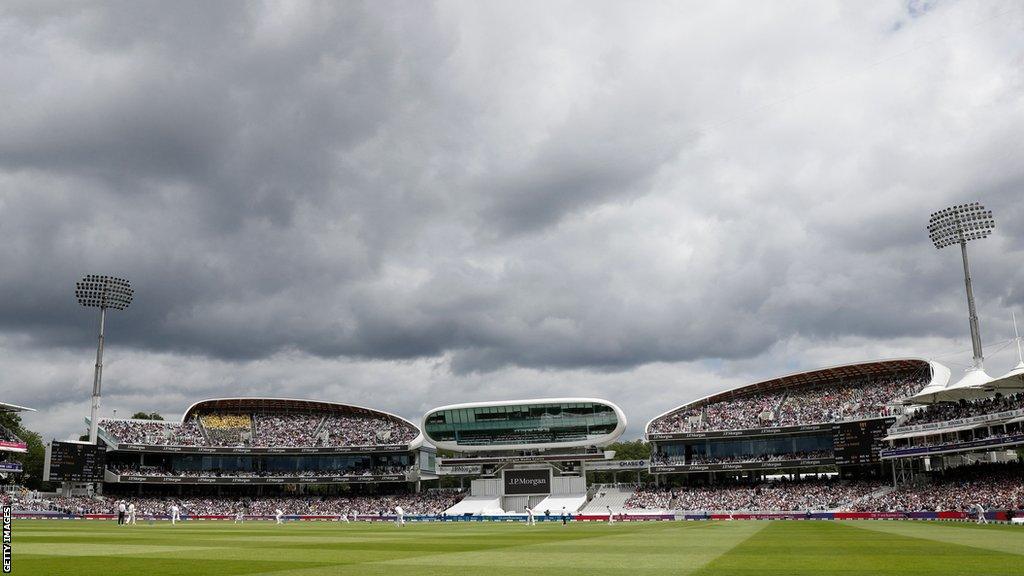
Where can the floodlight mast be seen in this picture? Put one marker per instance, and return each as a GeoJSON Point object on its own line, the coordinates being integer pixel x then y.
{"type": "Point", "coordinates": [94, 291]}
{"type": "Point", "coordinates": [959, 225]}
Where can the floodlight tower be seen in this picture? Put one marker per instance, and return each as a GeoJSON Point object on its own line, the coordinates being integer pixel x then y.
{"type": "Point", "coordinates": [101, 292]}
{"type": "Point", "coordinates": [959, 225]}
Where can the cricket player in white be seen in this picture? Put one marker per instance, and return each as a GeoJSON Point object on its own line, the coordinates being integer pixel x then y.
{"type": "Point", "coordinates": [277, 515]}
{"type": "Point", "coordinates": [344, 517]}
{"type": "Point", "coordinates": [399, 516]}
{"type": "Point", "coordinates": [530, 520]}
{"type": "Point", "coordinates": [175, 514]}
{"type": "Point", "coordinates": [981, 514]}
{"type": "Point", "coordinates": [611, 515]}
{"type": "Point", "coordinates": [239, 517]}
{"type": "Point", "coordinates": [131, 513]}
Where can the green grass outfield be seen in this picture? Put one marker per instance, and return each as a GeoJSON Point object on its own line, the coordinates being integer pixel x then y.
{"type": "Point", "coordinates": [88, 548]}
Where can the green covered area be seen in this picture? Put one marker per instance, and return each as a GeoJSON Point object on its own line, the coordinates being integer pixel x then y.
{"type": "Point", "coordinates": [86, 547]}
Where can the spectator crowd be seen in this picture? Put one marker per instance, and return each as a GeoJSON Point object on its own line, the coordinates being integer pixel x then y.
{"type": "Point", "coordinates": [855, 399]}
{"type": "Point", "coordinates": [264, 430]}
{"type": "Point", "coordinates": [993, 486]}
{"type": "Point", "coordinates": [429, 502]}
{"type": "Point", "coordinates": [944, 411]}
{"type": "Point", "coordinates": [135, 469]}
{"type": "Point", "coordinates": [771, 496]}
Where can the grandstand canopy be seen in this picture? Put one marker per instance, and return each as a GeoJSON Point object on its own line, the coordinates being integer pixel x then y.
{"type": "Point", "coordinates": [820, 377]}
{"type": "Point", "coordinates": [293, 405]}
{"type": "Point", "coordinates": [975, 384]}
{"type": "Point", "coordinates": [5, 407]}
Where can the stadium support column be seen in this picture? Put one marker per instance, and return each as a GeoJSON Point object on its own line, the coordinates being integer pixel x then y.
{"type": "Point", "coordinates": [979, 359]}
{"type": "Point", "coordinates": [96, 381]}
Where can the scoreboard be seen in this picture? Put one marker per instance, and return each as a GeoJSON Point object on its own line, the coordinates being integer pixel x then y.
{"type": "Point", "coordinates": [74, 462]}
{"type": "Point", "coordinates": [858, 443]}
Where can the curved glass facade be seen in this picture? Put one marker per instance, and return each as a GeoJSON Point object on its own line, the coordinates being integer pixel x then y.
{"type": "Point", "coordinates": [542, 423]}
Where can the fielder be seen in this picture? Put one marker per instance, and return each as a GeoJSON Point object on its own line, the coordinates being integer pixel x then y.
{"type": "Point", "coordinates": [399, 516]}
{"type": "Point", "coordinates": [175, 514]}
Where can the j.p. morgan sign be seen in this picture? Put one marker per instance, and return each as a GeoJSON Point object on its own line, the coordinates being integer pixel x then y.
{"type": "Point", "coordinates": [519, 482]}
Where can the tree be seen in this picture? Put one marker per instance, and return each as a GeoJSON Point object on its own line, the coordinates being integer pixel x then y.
{"type": "Point", "coordinates": [149, 416]}
{"type": "Point", "coordinates": [635, 450]}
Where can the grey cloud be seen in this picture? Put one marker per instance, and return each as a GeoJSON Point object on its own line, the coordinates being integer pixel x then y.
{"type": "Point", "coordinates": [496, 189]}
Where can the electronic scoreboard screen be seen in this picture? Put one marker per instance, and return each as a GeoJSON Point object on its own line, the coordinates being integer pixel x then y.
{"type": "Point", "coordinates": [73, 462]}
{"type": "Point", "coordinates": [856, 443]}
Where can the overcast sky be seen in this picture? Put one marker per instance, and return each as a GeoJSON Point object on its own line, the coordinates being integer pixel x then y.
{"type": "Point", "coordinates": [408, 204]}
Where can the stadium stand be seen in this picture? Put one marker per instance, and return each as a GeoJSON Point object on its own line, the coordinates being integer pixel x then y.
{"type": "Point", "coordinates": [699, 459]}
{"type": "Point", "coordinates": [8, 436]}
{"type": "Point", "coordinates": [944, 411]}
{"type": "Point", "coordinates": [262, 429]}
{"type": "Point", "coordinates": [851, 399]}
{"type": "Point", "coordinates": [609, 496]}
{"type": "Point", "coordinates": [430, 502]}
{"type": "Point", "coordinates": [136, 469]}
{"type": "Point", "coordinates": [477, 506]}
{"type": "Point", "coordinates": [993, 486]}
{"type": "Point", "coordinates": [770, 496]}
{"type": "Point", "coordinates": [153, 432]}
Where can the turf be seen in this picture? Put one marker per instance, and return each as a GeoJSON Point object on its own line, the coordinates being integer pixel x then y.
{"type": "Point", "coordinates": [85, 547]}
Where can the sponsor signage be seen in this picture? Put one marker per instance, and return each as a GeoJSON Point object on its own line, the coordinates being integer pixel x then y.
{"type": "Point", "coordinates": [221, 480]}
{"type": "Point", "coordinates": [10, 467]}
{"type": "Point", "coordinates": [13, 446]}
{"type": "Point", "coordinates": [959, 422]}
{"type": "Point", "coordinates": [953, 447]}
{"type": "Point", "coordinates": [524, 482]}
{"type": "Point", "coordinates": [619, 465]}
{"type": "Point", "coordinates": [803, 429]}
{"type": "Point", "coordinates": [248, 450]}
{"type": "Point", "coordinates": [521, 459]}
{"type": "Point", "coordinates": [462, 470]}
{"type": "Point", "coordinates": [774, 465]}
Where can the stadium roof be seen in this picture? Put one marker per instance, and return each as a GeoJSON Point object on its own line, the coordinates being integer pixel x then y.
{"type": "Point", "coordinates": [939, 374]}
{"type": "Point", "coordinates": [974, 384]}
{"type": "Point", "coordinates": [5, 407]}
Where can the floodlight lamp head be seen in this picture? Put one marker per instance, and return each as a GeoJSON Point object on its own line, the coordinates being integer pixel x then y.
{"type": "Point", "coordinates": [959, 224]}
{"type": "Point", "coordinates": [95, 291]}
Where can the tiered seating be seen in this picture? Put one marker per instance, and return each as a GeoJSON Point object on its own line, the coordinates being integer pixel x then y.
{"type": "Point", "coordinates": [364, 431]}
{"type": "Point", "coordinates": [9, 436]}
{"type": "Point", "coordinates": [430, 502]}
{"type": "Point", "coordinates": [285, 429]}
{"type": "Point", "coordinates": [944, 411]}
{"type": "Point", "coordinates": [613, 497]}
{"type": "Point", "coordinates": [154, 432]}
{"type": "Point", "coordinates": [777, 496]}
{"type": "Point", "coordinates": [228, 429]}
{"type": "Point", "coordinates": [993, 486]}
{"type": "Point", "coordinates": [135, 469]}
{"type": "Point", "coordinates": [855, 399]}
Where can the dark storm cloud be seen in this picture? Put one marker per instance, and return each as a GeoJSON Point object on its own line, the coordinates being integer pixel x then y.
{"type": "Point", "coordinates": [489, 195]}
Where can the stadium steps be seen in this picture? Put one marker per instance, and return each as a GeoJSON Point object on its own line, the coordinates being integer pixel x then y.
{"type": "Point", "coordinates": [611, 497]}
{"type": "Point", "coordinates": [202, 428]}
{"type": "Point", "coordinates": [319, 429]}
{"type": "Point", "coordinates": [571, 502]}
{"type": "Point", "coordinates": [476, 505]}
{"type": "Point", "coordinates": [875, 494]}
